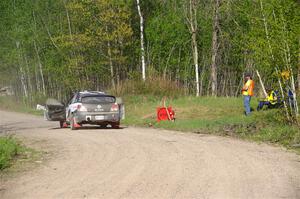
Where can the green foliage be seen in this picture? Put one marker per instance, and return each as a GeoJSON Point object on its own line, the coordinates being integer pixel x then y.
{"type": "Point", "coordinates": [9, 149]}
{"type": "Point", "coordinates": [54, 47]}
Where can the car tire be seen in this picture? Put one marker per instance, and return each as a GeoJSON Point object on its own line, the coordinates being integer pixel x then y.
{"type": "Point", "coordinates": [103, 126]}
{"type": "Point", "coordinates": [61, 124]}
{"type": "Point", "coordinates": [115, 125]}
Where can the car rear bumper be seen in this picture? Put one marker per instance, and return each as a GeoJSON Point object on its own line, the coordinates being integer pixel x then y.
{"type": "Point", "coordinates": [97, 117]}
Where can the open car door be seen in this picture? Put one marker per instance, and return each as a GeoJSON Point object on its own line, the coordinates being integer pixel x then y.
{"type": "Point", "coordinates": [119, 101]}
{"type": "Point", "coordinates": [55, 110]}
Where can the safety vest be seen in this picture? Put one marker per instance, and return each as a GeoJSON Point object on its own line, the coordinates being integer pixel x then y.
{"type": "Point", "coordinates": [272, 98]}
{"type": "Point", "coordinates": [248, 88]}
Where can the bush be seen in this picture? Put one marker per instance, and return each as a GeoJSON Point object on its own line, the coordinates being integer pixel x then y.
{"type": "Point", "coordinates": [9, 148]}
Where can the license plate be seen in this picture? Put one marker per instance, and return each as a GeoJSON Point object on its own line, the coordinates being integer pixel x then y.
{"type": "Point", "coordinates": [99, 117]}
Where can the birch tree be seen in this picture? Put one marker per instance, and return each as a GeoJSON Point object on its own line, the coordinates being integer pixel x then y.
{"type": "Point", "coordinates": [214, 80]}
{"type": "Point", "coordinates": [142, 40]}
{"type": "Point", "coordinates": [191, 17]}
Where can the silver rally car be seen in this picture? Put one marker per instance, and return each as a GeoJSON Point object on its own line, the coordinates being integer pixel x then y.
{"type": "Point", "coordinates": [87, 107]}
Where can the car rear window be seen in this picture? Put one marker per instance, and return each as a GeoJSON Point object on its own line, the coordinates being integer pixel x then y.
{"type": "Point", "coordinates": [98, 99]}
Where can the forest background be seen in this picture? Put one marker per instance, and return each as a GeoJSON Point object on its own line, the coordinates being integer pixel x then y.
{"type": "Point", "coordinates": [189, 47]}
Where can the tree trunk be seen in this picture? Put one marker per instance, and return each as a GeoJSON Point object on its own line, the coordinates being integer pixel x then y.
{"type": "Point", "coordinates": [69, 21]}
{"type": "Point", "coordinates": [192, 25]}
{"type": "Point", "coordinates": [142, 40]}
{"type": "Point", "coordinates": [298, 72]}
{"type": "Point", "coordinates": [22, 72]}
{"type": "Point", "coordinates": [28, 75]}
{"type": "Point", "coordinates": [23, 81]}
{"type": "Point", "coordinates": [294, 94]}
{"type": "Point", "coordinates": [214, 81]}
{"type": "Point", "coordinates": [167, 63]}
{"type": "Point", "coordinates": [37, 80]}
{"type": "Point", "coordinates": [282, 93]}
{"type": "Point", "coordinates": [111, 66]}
{"type": "Point", "coordinates": [262, 84]}
{"type": "Point", "coordinates": [194, 40]}
{"type": "Point", "coordinates": [40, 67]}
{"type": "Point", "coordinates": [266, 30]}
{"type": "Point", "coordinates": [299, 69]}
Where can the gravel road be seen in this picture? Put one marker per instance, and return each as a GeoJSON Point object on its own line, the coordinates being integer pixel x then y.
{"type": "Point", "coordinates": [147, 163]}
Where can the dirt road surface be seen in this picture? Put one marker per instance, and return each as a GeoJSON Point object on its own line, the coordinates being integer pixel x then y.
{"type": "Point", "coordinates": [147, 163]}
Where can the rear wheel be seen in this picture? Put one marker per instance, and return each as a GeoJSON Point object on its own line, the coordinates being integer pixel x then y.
{"type": "Point", "coordinates": [103, 126]}
{"type": "Point", "coordinates": [115, 125]}
{"type": "Point", "coordinates": [61, 124]}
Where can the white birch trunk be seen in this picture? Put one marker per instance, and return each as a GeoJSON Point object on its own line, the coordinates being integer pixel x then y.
{"type": "Point", "coordinates": [23, 81]}
{"type": "Point", "coordinates": [193, 28]}
{"type": "Point", "coordinates": [214, 81]}
{"type": "Point", "coordinates": [69, 21]}
{"type": "Point", "coordinates": [40, 68]}
{"type": "Point", "coordinates": [28, 75]}
{"type": "Point", "coordinates": [142, 40]}
{"type": "Point", "coordinates": [111, 66]}
{"type": "Point", "coordinates": [22, 73]}
{"type": "Point", "coordinates": [294, 94]}
{"type": "Point", "coordinates": [196, 64]}
{"type": "Point", "coordinates": [298, 78]}
{"type": "Point", "coordinates": [37, 80]}
{"type": "Point", "coordinates": [262, 84]}
{"type": "Point", "coordinates": [266, 30]}
{"type": "Point", "coordinates": [22, 77]}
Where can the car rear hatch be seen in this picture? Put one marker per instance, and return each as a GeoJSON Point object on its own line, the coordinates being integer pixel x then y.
{"type": "Point", "coordinates": [103, 104]}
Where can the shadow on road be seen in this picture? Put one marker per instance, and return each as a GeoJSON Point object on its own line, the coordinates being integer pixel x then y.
{"type": "Point", "coordinates": [91, 128]}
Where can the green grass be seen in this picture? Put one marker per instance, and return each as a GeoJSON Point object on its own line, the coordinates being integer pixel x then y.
{"type": "Point", "coordinates": [10, 148]}
{"type": "Point", "coordinates": [11, 104]}
{"type": "Point", "coordinates": [221, 116]}
{"type": "Point", "coordinates": [191, 113]}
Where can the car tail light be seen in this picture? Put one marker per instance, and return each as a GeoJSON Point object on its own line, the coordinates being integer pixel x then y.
{"type": "Point", "coordinates": [81, 108]}
{"type": "Point", "coordinates": [114, 107]}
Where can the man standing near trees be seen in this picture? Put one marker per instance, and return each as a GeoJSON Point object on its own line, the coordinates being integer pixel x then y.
{"type": "Point", "coordinates": [247, 92]}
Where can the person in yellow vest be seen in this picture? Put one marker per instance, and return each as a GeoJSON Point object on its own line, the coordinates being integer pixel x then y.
{"type": "Point", "coordinates": [270, 101]}
{"type": "Point", "coordinates": [247, 92]}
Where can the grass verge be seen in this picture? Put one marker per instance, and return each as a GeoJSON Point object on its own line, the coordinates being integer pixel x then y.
{"type": "Point", "coordinates": [11, 104]}
{"type": "Point", "coordinates": [10, 150]}
{"type": "Point", "coordinates": [15, 157]}
{"type": "Point", "coordinates": [221, 116]}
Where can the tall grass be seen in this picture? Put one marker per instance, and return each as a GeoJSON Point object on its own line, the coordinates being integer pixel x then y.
{"type": "Point", "coordinates": [153, 86]}
{"type": "Point", "coordinates": [11, 103]}
{"type": "Point", "coordinates": [9, 149]}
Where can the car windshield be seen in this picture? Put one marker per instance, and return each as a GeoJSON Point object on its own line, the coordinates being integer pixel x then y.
{"type": "Point", "coordinates": [97, 99]}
